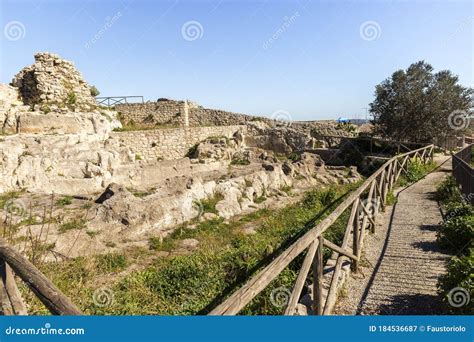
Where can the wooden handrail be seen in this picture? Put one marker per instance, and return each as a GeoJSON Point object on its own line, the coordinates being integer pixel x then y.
{"type": "Point", "coordinates": [378, 185]}
{"type": "Point", "coordinates": [56, 302]}
{"type": "Point", "coordinates": [463, 172]}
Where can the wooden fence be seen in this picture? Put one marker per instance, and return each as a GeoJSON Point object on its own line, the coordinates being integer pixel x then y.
{"type": "Point", "coordinates": [364, 204]}
{"type": "Point", "coordinates": [463, 172]}
{"type": "Point", "coordinates": [12, 303]}
{"type": "Point", "coordinates": [364, 207]}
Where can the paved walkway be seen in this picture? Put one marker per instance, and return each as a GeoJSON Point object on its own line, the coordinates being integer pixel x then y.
{"type": "Point", "coordinates": [402, 261]}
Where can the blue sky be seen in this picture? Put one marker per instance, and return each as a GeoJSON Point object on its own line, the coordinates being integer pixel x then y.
{"type": "Point", "coordinates": [313, 59]}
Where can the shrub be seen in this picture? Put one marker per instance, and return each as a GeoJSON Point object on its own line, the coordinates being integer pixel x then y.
{"type": "Point", "coordinates": [456, 233]}
{"type": "Point", "coordinates": [459, 275]}
{"type": "Point", "coordinates": [94, 91]}
{"type": "Point", "coordinates": [457, 209]}
{"type": "Point", "coordinates": [66, 200]}
{"type": "Point", "coordinates": [71, 99]}
{"type": "Point", "coordinates": [416, 170]}
{"type": "Point", "coordinates": [448, 191]}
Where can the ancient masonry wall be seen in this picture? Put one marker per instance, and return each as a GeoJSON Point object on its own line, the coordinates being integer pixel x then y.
{"type": "Point", "coordinates": [170, 143]}
{"type": "Point", "coordinates": [153, 113]}
{"type": "Point", "coordinates": [179, 113]}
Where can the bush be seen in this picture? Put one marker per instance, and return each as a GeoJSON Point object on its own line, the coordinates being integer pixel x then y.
{"type": "Point", "coordinates": [448, 191]}
{"type": "Point", "coordinates": [416, 170]}
{"type": "Point", "coordinates": [66, 200]}
{"type": "Point", "coordinates": [457, 209]}
{"type": "Point", "coordinates": [94, 91]}
{"type": "Point", "coordinates": [456, 233]}
{"type": "Point", "coordinates": [459, 275]}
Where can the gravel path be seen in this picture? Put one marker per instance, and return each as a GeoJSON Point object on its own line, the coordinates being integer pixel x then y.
{"type": "Point", "coordinates": [401, 262]}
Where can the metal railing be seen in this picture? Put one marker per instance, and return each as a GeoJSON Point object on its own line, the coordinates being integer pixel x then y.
{"type": "Point", "coordinates": [111, 101]}
{"type": "Point", "coordinates": [463, 172]}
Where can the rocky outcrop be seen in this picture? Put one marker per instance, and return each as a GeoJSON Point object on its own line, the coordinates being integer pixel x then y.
{"type": "Point", "coordinates": [280, 139]}
{"type": "Point", "coordinates": [51, 97]}
{"type": "Point", "coordinates": [53, 83]}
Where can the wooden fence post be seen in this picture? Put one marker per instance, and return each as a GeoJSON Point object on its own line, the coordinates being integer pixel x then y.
{"type": "Point", "coordinates": [355, 238]}
{"type": "Point", "coordinates": [318, 279]}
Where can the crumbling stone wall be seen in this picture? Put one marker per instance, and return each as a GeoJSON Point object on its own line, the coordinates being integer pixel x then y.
{"type": "Point", "coordinates": [161, 112]}
{"type": "Point", "coordinates": [169, 143]}
{"type": "Point", "coordinates": [180, 113]}
{"type": "Point", "coordinates": [53, 83]}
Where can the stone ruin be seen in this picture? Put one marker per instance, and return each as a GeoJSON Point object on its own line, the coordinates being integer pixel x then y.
{"type": "Point", "coordinates": [151, 181]}
{"type": "Point", "coordinates": [51, 97]}
{"type": "Point", "coordinates": [53, 83]}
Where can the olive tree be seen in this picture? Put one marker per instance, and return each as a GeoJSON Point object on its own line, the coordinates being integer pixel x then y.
{"type": "Point", "coordinates": [417, 104]}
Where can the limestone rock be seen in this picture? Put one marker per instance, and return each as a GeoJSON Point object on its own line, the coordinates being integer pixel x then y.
{"type": "Point", "coordinates": [52, 80]}
{"type": "Point", "coordinates": [189, 244]}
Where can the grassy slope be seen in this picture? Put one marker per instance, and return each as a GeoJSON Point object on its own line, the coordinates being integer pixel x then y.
{"type": "Point", "coordinates": [194, 284]}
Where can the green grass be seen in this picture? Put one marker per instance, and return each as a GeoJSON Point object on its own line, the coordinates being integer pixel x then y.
{"type": "Point", "coordinates": [112, 262]}
{"type": "Point", "coordinates": [208, 205]}
{"type": "Point", "coordinates": [66, 200]}
{"type": "Point", "coordinates": [74, 224]}
{"type": "Point", "coordinates": [416, 171]}
{"type": "Point", "coordinates": [193, 284]}
{"type": "Point", "coordinates": [391, 198]}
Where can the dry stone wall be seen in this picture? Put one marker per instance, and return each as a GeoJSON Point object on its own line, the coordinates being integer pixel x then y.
{"type": "Point", "coordinates": [180, 113]}
{"type": "Point", "coordinates": [162, 112]}
{"type": "Point", "coordinates": [53, 83]}
{"type": "Point", "coordinates": [171, 143]}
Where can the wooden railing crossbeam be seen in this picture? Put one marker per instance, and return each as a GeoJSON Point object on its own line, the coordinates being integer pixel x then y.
{"type": "Point", "coordinates": [377, 186]}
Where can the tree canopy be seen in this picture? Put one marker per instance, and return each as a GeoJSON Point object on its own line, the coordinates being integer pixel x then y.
{"type": "Point", "coordinates": [417, 104]}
